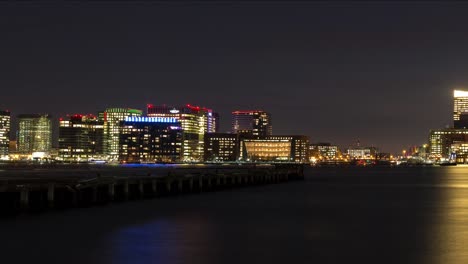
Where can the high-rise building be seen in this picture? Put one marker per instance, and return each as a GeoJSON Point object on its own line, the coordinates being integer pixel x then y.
{"type": "Point", "coordinates": [275, 149]}
{"type": "Point", "coordinates": [4, 133]}
{"type": "Point", "coordinates": [195, 122]}
{"type": "Point", "coordinates": [34, 133]}
{"type": "Point", "coordinates": [80, 137]}
{"type": "Point", "coordinates": [221, 147]}
{"type": "Point", "coordinates": [112, 118]}
{"type": "Point", "coordinates": [254, 123]}
{"type": "Point", "coordinates": [460, 109]}
{"type": "Point", "coordinates": [150, 139]}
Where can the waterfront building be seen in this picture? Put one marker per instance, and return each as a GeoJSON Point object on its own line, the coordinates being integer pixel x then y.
{"type": "Point", "coordinates": [460, 109]}
{"type": "Point", "coordinates": [323, 151]}
{"type": "Point", "coordinates": [5, 123]}
{"type": "Point", "coordinates": [447, 142]}
{"type": "Point", "coordinates": [195, 122]}
{"type": "Point", "coordinates": [34, 133]}
{"type": "Point", "coordinates": [254, 122]}
{"type": "Point", "coordinates": [80, 138]}
{"type": "Point", "coordinates": [362, 152]}
{"type": "Point", "coordinates": [112, 118]}
{"type": "Point", "coordinates": [221, 147]}
{"type": "Point", "coordinates": [150, 139]}
{"type": "Point", "coordinates": [13, 146]}
{"type": "Point", "coordinates": [275, 149]}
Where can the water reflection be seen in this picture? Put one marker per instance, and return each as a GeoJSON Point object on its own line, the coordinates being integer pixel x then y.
{"type": "Point", "coordinates": [368, 215]}
{"type": "Point", "coordinates": [169, 240]}
{"type": "Point", "coordinates": [449, 238]}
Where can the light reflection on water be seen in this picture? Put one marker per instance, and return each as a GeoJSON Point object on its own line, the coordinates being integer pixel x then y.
{"type": "Point", "coordinates": [449, 238]}
{"type": "Point", "coordinates": [338, 215]}
{"type": "Point", "coordinates": [160, 241]}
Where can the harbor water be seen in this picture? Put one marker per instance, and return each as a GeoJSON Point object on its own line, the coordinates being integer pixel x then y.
{"type": "Point", "coordinates": [337, 215]}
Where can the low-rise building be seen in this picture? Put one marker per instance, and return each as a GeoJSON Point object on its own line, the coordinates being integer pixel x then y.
{"type": "Point", "coordinates": [221, 147]}
{"type": "Point", "coordinates": [275, 149]}
{"type": "Point", "coordinates": [443, 143]}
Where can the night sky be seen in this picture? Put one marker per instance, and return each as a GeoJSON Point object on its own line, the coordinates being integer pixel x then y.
{"type": "Point", "coordinates": [382, 73]}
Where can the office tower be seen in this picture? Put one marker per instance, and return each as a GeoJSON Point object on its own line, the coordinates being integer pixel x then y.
{"type": "Point", "coordinates": [150, 139]}
{"type": "Point", "coordinates": [221, 147]}
{"type": "Point", "coordinates": [460, 109]}
{"type": "Point", "coordinates": [4, 133]}
{"type": "Point", "coordinates": [275, 149]}
{"type": "Point", "coordinates": [34, 133]}
{"type": "Point", "coordinates": [112, 118]}
{"type": "Point", "coordinates": [80, 137]}
{"type": "Point", "coordinates": [251, 123]}
{"type": "Point", "coordinates": [195, 122]}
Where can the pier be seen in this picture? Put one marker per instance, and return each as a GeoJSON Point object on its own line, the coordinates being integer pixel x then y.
{"type": "Point", "coordinates": [59, 187]}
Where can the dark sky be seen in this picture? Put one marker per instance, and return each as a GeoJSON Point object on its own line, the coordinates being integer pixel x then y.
{"type": "Point", "coordinates": [382, 73]}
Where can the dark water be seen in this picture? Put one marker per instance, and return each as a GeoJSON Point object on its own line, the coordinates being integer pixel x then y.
{"type": "Point", "coordinates": [354, 215]}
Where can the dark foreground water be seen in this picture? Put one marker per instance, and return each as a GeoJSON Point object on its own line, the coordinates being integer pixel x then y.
{"type": "Point", "coordinates": [354, 215]}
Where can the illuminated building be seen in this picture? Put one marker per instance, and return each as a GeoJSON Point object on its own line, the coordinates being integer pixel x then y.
{"type": "Point", "coordinates": [362, 152]}
{"type": "Point", "coordinates": [4, 133]}
{"type": "Point", "coordinates": [444, 142]}
{"type": "Point", "coordinates": [112, 118]}
{"type": "Point", "coordinates": [34, 133]}
{"type": "Point", "coordinates": [13, 146]}
{"type": "Point", "coordinates": [275, 149]}
{"type": "Point", "coordinates": [195, 122]}
{"type": "Point", "coordinates": [255, 123]}
{"type": "Point", "coordinates": [221, 147]}
{"type": "Point", "coordinates": [323, 151]}
{"type": "Point", "coordinates": [150, 139]}
{"type": "Point", "coordinates": [460, 109]}
{"type": "Point", "coordinates": [80, 137]}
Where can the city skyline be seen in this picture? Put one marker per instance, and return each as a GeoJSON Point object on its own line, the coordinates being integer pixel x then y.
{"type": "Point", "coordinates": [363, 75]}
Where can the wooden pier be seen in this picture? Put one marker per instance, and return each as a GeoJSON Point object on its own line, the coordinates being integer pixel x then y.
{"type": "Point", "coordinates": [37, 189]}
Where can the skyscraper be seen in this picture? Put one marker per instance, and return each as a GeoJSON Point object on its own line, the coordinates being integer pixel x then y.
{"type": "Point", "coordinates": [195, 122]}
{"type": "Point", "coordinates": [460, 109]}
{"type": "Point", "coordinates": [4, 132]}
{"type": "Point", "coordinates": [80, 137]}
{"type": "Point", "coordinates": [112, 118]}
{"type": "Point", "coordinates": [254, 123]}
{"type": "Point", "coordinates": [34, 133]}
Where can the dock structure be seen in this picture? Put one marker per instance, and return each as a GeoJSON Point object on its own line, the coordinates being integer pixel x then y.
{"type": "Point", "coordinates": [38, 188]}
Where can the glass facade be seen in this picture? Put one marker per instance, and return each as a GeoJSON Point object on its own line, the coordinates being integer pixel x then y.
{"type": "Point", "coordinates": [80, 138]}
{"type": "Point", "coordinates": [4, 132]}
{"type": "Point", "coordinates": [276, 148]}
{"type": "Point", "coordinates": [34, 133]}
{"type": "Point", "coordinates": [254, 123]}
{"type": "Point", "coordinates": [150, 141]}
{"type": "Point", "coordinates": [195, 122]}
{"type": "Point", "coordinates": [460, 109]}
{"type": "Point", "coordinates": [112, 118]}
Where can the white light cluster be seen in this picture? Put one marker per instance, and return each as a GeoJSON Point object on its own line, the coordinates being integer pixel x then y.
{"type": "Point", "coordinates": [460, 93]}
